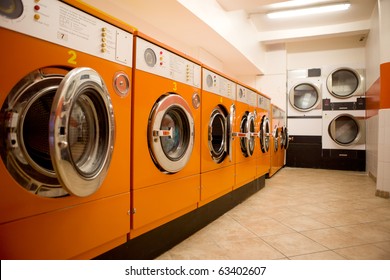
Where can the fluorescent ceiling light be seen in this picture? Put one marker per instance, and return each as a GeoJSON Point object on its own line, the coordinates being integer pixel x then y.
{"type": "Point", "coordinates": [295, 3]}
{"type": "Point", "coordinates": [310, 11]}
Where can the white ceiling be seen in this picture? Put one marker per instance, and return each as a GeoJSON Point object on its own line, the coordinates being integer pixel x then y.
{"type": "Point", "coordinates": [172, 18]}
{"type": "Point", "coordinates": [355, 21]}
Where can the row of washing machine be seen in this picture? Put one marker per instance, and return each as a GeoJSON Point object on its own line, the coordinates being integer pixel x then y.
{"type": "Point", "coordinates": [326, 117]}
{"type": "Point", "coordinates": [107, 134]}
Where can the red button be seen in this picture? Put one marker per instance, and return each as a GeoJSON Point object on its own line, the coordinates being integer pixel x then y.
{"type": "Point", "coordinates": [36, 8]}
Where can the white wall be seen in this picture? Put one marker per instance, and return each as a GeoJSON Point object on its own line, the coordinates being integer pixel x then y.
{"type": "Point", "coordinates": [273, 82]}
{"type": "Point", "coordinates": [322, 53]}
{"type": "Point", "coordinates": [383, 179]}
{"type": "Point", "coordinates": [372, 74]}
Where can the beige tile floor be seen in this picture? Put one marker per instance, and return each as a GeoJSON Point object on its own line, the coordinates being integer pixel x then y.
{"type": "Point", "coordinates": [300, 214]}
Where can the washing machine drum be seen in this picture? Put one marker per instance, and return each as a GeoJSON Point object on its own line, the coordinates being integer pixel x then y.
{"type": "Point", "coordinates": [247, 128]}
{"type": "Point", "coordinates": [171, 132]}
{"type": "Point", "coordinates": [343, 82]}
{"type": "Point", "coordinates": [346, 129]}
{"type": "Point", "coordinates": [264, 134]}
{"type": "Point", "coordinates": [58, 129]}
{"type": "Point", "coordinates": [305, 97]}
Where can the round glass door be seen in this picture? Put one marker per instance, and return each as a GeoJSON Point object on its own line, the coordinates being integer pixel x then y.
{"type": "Point", "coordinates": [343, 82]}
{"type": "Point", "coordinates": [276, 138]}
{"type": "Point", "coordinates": [344, 130]}
{"type": "Point", "coordinates": [264, 134]}
{"type": "Point", "coordinates": [59, 130]}
{"type": "Point", "coordinates": [171, 133]}
{"type": "Point", "coordinates": [285, 140]}
{"type": "Point", "coordinates": [304, 97]}
{"type": "Point", "coordinates": [217, 134]}
{"type": "Point", "coordinates": [247, 127]}
{"type": "Point", "coordinates": [81, 131]}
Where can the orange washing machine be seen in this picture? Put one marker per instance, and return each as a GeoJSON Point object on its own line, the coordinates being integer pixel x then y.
{"type": "Point", "coordinates": [264, 132]}
{"type": "Point", "coordinates": [245, 134]}
{"type": "Point", "coordinates": [65, 131]}
{"type": "Point", "coordinates": [166, 135]}
{"type": "Point", "coordinates": [277, 150]}
{"type": "Point", "coordinates": [217, 153]}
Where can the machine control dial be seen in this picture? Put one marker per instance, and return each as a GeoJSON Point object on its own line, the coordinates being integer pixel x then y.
{"type": "Point", "coordinates": [121, 84]}
{"type": "Point", "coordinates": [150, 57]}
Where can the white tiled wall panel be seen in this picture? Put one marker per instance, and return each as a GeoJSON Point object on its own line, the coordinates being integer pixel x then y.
{"type": "Point", "coordinates": [383, 179]}
{"type": "Point", "coordinates": [372, 145]}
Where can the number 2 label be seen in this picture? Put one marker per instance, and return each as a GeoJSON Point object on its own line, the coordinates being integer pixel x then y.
{"type": "Point", "coordinates": [72, 58]}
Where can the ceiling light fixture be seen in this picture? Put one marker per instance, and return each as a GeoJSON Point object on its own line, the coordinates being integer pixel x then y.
{"type": "Point", "coordinates": [296, 3]}
{"type": "Point", "coordinates": [309, 11]}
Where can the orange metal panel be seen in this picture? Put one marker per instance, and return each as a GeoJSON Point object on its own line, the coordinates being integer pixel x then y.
{"type": "Point", "coordinates": [158, 204]}
{"type": "Point", "coordinates": [385, 86]}
{"type": "Point", "coordinates": [68, 232]}
{"type": "Point", "coordinates": [245, 172]}
{"type": "Point", "coordinates": [216, 183]}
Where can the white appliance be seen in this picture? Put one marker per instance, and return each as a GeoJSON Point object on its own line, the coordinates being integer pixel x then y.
{"type": "Point", "coordinates": [304, 102]}
{"type": "Point", "coordinates": [304, 92]}
{"type": "Point", "coordinates": [344, 130]}
{"type": "Point", "coordinates": [343, 83]}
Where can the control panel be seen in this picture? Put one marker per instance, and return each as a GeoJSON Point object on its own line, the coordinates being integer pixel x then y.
{"type": "Point", "coordinates": [161, 62]}
{"type": "Point", "coordinates": [219, 85]}
{"type": "Point", "coordinates": [62, 24]}
{"type": "Point", "coordinates": [263, 102]}
{"type": "Point", "coordinates": [246, 95]}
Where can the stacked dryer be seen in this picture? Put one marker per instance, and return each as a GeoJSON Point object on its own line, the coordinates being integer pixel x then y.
{"type": "Point", "coordinates": [304, 117]}
{"type": "Point", "coordinates": [343, 136]}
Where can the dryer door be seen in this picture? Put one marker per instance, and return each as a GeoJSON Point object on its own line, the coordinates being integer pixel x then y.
{"type": "Point", "coordinates": [264, 134]}
{"type": "Point", "coordinates": [345, 129]}
{"type": "Point", "coordinates": [305, 97]}
{"type": "Point", "coordinates": [59, 132]}
{"type": "Point", "coordinates": [171, 133]}
{"type": "Point", "coordinates": [218, 134]}
{"type": "Point", "coordinates": [343, 82]}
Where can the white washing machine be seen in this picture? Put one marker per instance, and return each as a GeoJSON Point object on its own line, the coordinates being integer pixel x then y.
{"type": "Point", "coordinates": [304, 102]}
{"type": "Point", "coordinates": [344, 83]}
{"type": "Point", "coordinates": [304, 92]}
{"type": "Point", "coordinates": [344, 129]}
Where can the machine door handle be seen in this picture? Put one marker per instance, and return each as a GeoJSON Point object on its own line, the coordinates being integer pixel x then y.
{"type": "Point", "coordinates": [163, 133]}
{"type": "Point", "coordinates": [241, 134]}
